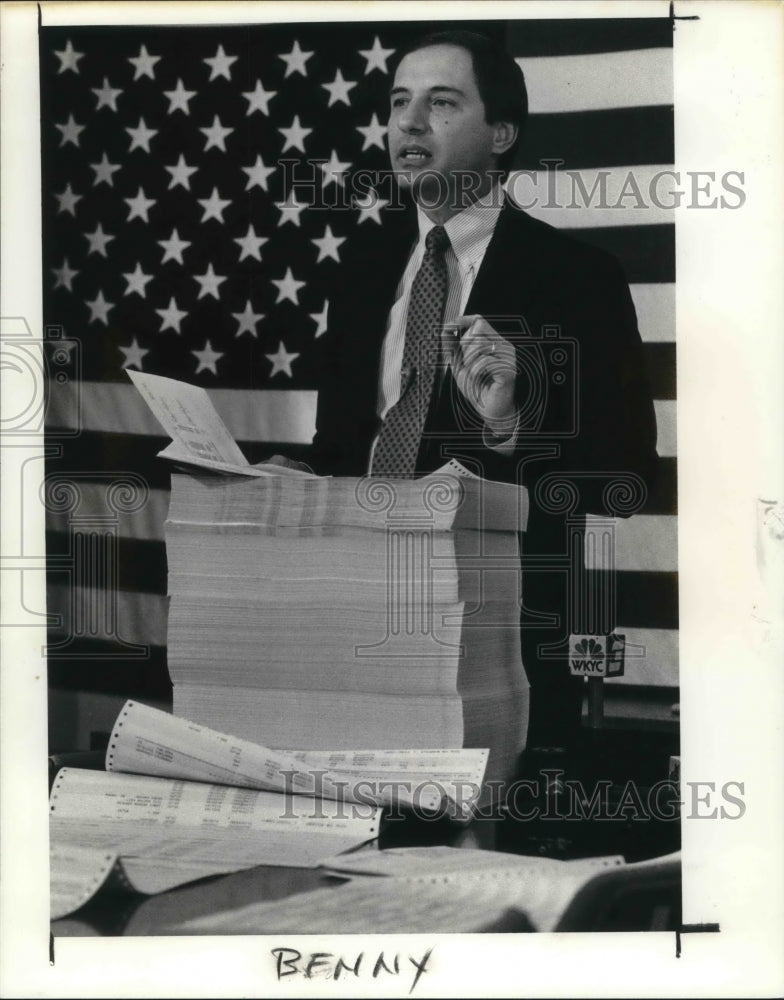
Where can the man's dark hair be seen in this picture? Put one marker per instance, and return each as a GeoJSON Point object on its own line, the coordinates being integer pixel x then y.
{"type": "Point", "coordinates": [499, 79]}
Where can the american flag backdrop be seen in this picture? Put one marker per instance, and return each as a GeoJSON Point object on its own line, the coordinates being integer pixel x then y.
{"type": "Point", "coordinates": [175, 242]}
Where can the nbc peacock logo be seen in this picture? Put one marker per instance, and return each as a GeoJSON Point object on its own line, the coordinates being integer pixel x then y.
{"type": "Point", "coordinates": [587, 657]}
{"type": "Point", "coordinates": [588, 647]}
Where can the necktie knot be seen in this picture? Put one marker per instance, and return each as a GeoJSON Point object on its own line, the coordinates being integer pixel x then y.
{"type": "Point", "coordinates": [437, 240]}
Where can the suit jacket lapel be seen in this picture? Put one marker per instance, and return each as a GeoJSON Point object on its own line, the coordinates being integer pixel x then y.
{"type": "Point", "coordinates": [506, 282]}
{"type": "Point", "coordinates": [506, 278]}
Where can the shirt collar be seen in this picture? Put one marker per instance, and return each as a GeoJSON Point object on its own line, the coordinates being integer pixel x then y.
{"type": "Point", "coordinates": [469, 231]}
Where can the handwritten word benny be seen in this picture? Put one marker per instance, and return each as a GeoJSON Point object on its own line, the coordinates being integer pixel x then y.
{"type": "Point", "coordinates": [290, 962]}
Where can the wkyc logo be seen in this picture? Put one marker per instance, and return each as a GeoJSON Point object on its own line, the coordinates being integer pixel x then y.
{"type": "Point", "coordinates": [596, 655]}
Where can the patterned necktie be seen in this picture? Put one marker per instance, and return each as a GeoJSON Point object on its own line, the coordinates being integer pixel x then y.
{"type": "Point", "coordinates": [398, 442]}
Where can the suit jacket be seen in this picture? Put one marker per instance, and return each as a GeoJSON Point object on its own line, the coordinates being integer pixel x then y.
{"type": "Point", "coordinates": [587, 433]}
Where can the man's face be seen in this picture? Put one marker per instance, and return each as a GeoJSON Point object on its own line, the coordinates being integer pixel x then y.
{"type": "Point", "coordinates": [437, 118]}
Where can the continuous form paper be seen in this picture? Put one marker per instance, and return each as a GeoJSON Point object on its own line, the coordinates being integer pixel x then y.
{"type": "Point", "coordinates": [146, 740]}
{"type": "Point", "coordinates": [139, 816]}
{"type": "Point", "coordinates": [77, 873]}
{"type": "Point", "coordinates": [417, 862]}
{"type": "Point", "coordinates": [150, 876]}
{"type": "Point", "coordinates": [449, 889]}
{"type": "Point", "coordinates": [415, 776]}
{"type": "Point", "coordinates": [229, 814]}
{"type": "Point", "coordinates": [471, 896]}
{"type": "Point", "coordinates": [195, 829]}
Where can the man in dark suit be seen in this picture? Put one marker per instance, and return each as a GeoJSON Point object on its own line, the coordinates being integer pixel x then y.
{"type": "Point", "coordinates": [532, 371]}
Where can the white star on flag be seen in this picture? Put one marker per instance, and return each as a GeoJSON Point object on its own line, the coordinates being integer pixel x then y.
{"type": "Point", "coordinates": [179, 97]}
{"type": "Point", "coordinates": [144, 64]}
{"type": "Point", "coordinates": [98, 240]}
{"type": "Point", "coordinates": [209, 282]}
{"type": "Point", "coordinates": [258, 174]}
{"type": "Point", "coordinates": [295, 60]}
{"type": "Point", "coordinates": [139, 206]}
{"type": "Point", "coordinates": [214, 206]}
{"type": "Point", "coordinates": [376, 57]}
{"type": "Point", "coordinates": [320, 319]}
{"type": "Point", "coordinates": [369, 208]}
{"type": "Point", "coordinates": [281, 360]}
{"type": "Point", "coordinates": [295, 135]}
{"type": "Point", "coordinates": [374, 133]}
{"type": "Point", "coordinates": [69, 132]}
{"type": "Point", "coordinates": [247, 320]}
{"type": "Point", "coordinates": [220, 64]}
{"type": "Point", "coordinates": [171, 316]}
{"type": "Point", "coordinates": [69, 58]}
{"type": "Point", "coordinates": [140, 136]}
{"type": "Point", "coordinates": [250, 243]}
{"type": "Point", "coordinates": [216, 135]}
{"type": "Point", "coordinates": [104, 171]}
{"type": "Point", "coordinates": [64, 275]}
{"type": "Point", "coordinates": [173, 247]}
{"type": "Point", "coordinates": [181, 174]}
{"type": "Point", "coordinates": [68, 200]}
{"type": "Point", "coordinates": [288, 287]}
{"type": "Point", "coordinates": [258, 99]}
{"type": "Point", "coordinates": [328, 245]}
{"type": "Point", "coordinates": [338, 89]}
{"type": "Point", "coordinates": [290, 210]}
{"type": "Point", "coordinates": [334, 170]}
{"type": "Point", "coordinates": [133, 354]}
{"type": "Point", "coordinates": [207, 358]}
{"type": "Point", "coordinates": [99, 309]}
{"type": "Point", "coordinates": [107, 96]}
{"type": "Point", "coordinates": [137, 281]}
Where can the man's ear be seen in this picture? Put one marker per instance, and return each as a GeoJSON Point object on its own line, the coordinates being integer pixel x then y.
{"type": "Point", "coordinates": [504, 137]}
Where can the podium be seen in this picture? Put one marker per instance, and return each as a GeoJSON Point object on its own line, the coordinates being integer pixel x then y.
{"type": "Point", "coordinates": [335, 614]}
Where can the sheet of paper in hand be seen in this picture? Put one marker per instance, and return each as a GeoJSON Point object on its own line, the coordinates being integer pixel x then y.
{"type": "Point", "coordinates": [199, 435]}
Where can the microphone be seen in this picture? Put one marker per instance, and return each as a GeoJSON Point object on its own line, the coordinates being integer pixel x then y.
{"type": "Point", "coordinates": [596, 657]}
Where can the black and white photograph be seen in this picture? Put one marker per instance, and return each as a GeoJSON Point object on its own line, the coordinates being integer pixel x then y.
{"type": "Point", "coordinates": [392, 537]}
